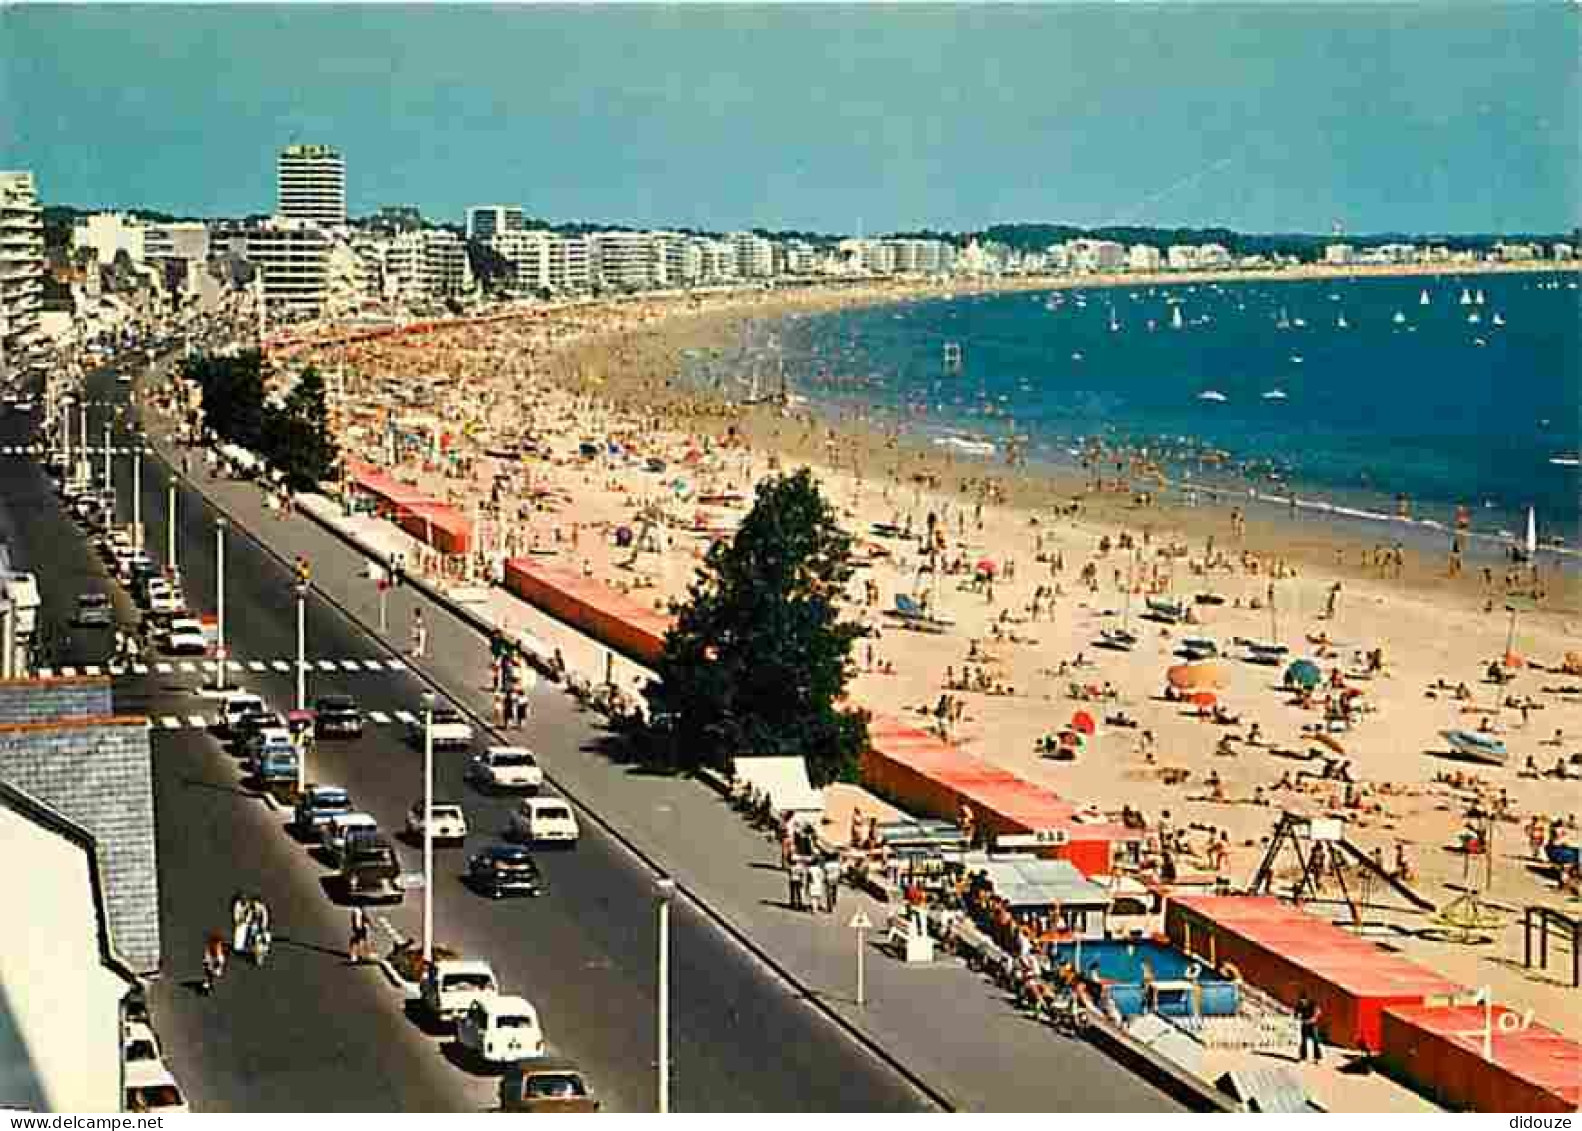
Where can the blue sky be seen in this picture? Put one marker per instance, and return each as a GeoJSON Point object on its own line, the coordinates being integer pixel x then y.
{"type": "Point", "coordinates": [1260, 116]}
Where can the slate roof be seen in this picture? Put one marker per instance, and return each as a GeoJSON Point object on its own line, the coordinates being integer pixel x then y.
{"type": "Point", "coordinates": [98, 774]}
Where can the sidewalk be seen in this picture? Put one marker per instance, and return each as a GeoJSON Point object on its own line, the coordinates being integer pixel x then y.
{"type": "Point", "coordinates": [945, 1024]}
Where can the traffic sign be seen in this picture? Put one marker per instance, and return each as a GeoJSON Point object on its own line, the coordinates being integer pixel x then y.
{"type": "Point", "coordinates": [860, 921]}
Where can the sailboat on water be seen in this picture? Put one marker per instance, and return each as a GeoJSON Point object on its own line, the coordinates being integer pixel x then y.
{"type": "Point", "coordinates": [1283, 322]}
{"type": "Point", "coordinates": [1399, 319]}
{"type": "Point", "coordinates": [1499, 319]}
{"type": "Point", "coordinates": [1528, 549]}
{"type": "Point", "coordinates": [1175, 318]}
{"type": "Point", "coordinates": [1341, 323]}
{"type": "Point", "coordinates": [1466, 297]}
{"type": "Point", "coordinates": [1115, 324]}
{"type": "Point", "coordinates": [1422, 299]}
{"type": "Point", "coordinates": [1477, 299]}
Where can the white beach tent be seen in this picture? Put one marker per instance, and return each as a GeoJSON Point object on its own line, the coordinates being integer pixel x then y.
{"type": "Point", "coordinates": [786, 782]}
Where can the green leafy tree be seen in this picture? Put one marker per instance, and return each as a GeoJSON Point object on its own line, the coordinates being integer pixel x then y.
{"type": "Point", "coordinates": [298, 439]}
{"type": "Point", "coordinates": [233, 395]}
{"type": "Point", "coordinates": [758, 659]}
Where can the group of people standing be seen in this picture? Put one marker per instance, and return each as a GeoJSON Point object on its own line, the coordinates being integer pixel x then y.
{"type": "Point", "coordinates": [813, 875]}
{"type": "Point", "coordinates": [250, 935]}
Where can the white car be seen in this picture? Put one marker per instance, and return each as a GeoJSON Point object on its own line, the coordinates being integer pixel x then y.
{"type": "Point", "coordinates": [139, 1045]}
{"type": "Point", "coordinates": [185, 636]}
{"type": "Point", "coordinates": [450, 823]}
{"type": "Point", "coordinates": [450, 728]}
{"type": "Point", "coordinates": [451, 985]}
{"type": "Point", "coordinates": [332, 839]}
{"type": "Point", "coordinates": [501, 1030]}
{"type": "Point", "coordinates": [506, 767]}
{"type": "Point", "coordinates": [153, 1090]}
{"type": "Point", "coordinates": [237, 705]}
{"type": "Point", "coordinates": [544, 820]}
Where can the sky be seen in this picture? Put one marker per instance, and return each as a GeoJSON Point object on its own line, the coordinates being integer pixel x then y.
{"type": "Point", "coordinates": [1268, 116]}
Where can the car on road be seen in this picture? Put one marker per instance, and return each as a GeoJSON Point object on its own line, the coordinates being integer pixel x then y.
{"type": "Point", "coordinates": [152, 1090]}
{"type": "Point", "coordinates": [337, 716]}
{"type": "Point", "coordinates": [506, 767]}
{"type": "Point", "coordinates": [450, 822]}
{"type": "Point", "coordinates": [505, 869]}
{"type": "Point", "coordinates": [275, 764]}
{"type": "Point", "coordinates": [450, 729]}
{"type": "Point", "coordinates": [544, 820]}
{"type": "Point", "coordinates": [237, 706]}
{"type": "Point", "coordinates": [333, 832]}
{"type": "Point", "coordinates": [257, 739]}
{"type": "Point", "coordinates": [546, 1087]}
{"type": "Point", "coordinates": [451, 985]}
{"type": "Point", "coordinates": [94, 611]}
{"type": "Point", "coordinates": [319, 805]}
{"type": "Point", "coordinates": [370, 868]}
{"type": "Point", "coordinates": [185, 637]}
{"type": "Point", "coordinates": [163, 596]}
{"type": "Point", "coordinates": [139, 1045]}
{"type": "Point", "coordinates": [501, 1029]}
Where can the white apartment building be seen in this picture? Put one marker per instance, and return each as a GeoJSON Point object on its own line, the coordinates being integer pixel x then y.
{"type": "Point", "coordinates": [670, 259]}
{"type": "Point", "coordinates": [1214, 256]}
{"type": "Point", "coordinates": [1181, 257]}
{"type": "Point", "coordinates": [623, 260]}
{"type": "Point", "coordinates": [754, 255]}
{"type": "Point", "coordinates": [189, 241]}
{"type": "Point", "coordinates": [1095, 255]}
{"type": "Point", "coordinates": [1339, 254]}
{"type": "Point", "coordinates": [800, 258]}
{"type": "Point", "coordinates": [311, 185]}
{"type": "Point", "coordinates": [571, 264]}
{"type": "Point", "coordinates": [107, 234]}
{"type": "Point", "coordinates": [293, 258]}
{"type": "Point", "coordinates": [427, 264]}
{"type": "Point", "coordinates": [1562, 251]}
{"type": "Point", "coordinates": [1144, 257]}
{"type": "Point", "coordinates": [1517, 252]}
{"type": "Point", "coordinates": [488, 220]}
{"type": "Point", "coordinates": [545, 261]}
{"type": "Point", "coordinates": [719, 261]}
{"type": "Point", "coordinates": [21, 267]}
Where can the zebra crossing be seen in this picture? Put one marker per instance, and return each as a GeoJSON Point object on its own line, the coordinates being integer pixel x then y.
{"type": "Point", "coordinates": [164, 723]}
{"type": "Point", "coordinates": [363, 666]}
{"type": "Point", "coordinates": [41, 449]}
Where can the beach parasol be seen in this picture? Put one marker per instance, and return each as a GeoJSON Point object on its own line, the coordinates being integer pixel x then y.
{"type": "Point", "coordinates": [986, 565]}
{"type": "Point", "coordinates": [1203, 699]}
{"type": "Point", "coordinates": [1082, 721]}
{"type": "Point", "coordinates": [1188, 677]}
{"type": "Point", "coordinates": [1514, 660]}
{"type": "Point", "coordinates": [1304, 674]}
{"type": "Point", "coordinates": [1072, 740]}
{"type": "Point", "coordinates": [1329, 741]}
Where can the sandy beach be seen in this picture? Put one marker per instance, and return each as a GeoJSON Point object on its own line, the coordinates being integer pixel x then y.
{"type": "Point", "coordinates": [1068, 561]}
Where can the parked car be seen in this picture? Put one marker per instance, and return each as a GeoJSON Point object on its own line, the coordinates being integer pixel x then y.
{"type": "Point", "coordinates": [450, 823]}
{"type": "Point", "coordinates": [333, 833]}
{"type": "Point", "coordinates": [544, 820]}
{"type": "Point", "coordinates": [275, 765]}
{"type": "Point", "coordinates": [505, 869]}
{"type": "Point", "coordinates": [255, 741]}
{"type": "Point", "coordinates": [244, 731]}
{"type": "Point", "coordinates": [369, 867]}
{"type": "Point", "coordinates": [139, 1045]}
{"type": "Point", "coordinates": [185, 637]}
{"type": "Point", "coordinates": [451, 985]}
{"type": "Point", "coordinates": [546, 1087]}
{"type": "Point", "coordinates": [237, 706]}
{"type": "Point", "coordinates": [94, 610]}
{"type": "Point", "coordinates": [506, 767]}
{"type": "Point", "coordinates": [151, 1089]}
{"type": "Point", "coordinates": [319, 805]}
{"type": "Point", "coordinates": [450, 729]}
{"type": "Point", "coordinates": [337, 716]}
{"type": "Point", "coordinates": [501, 1029]}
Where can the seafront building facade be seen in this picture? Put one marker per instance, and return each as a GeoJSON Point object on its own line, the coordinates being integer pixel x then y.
{"type": "Point", "coordinates": [293, 260]}
{"type": "Point", "coordinates": [311, 185]}
{"type": "Point", "coordinates": [21, 268]}
{"type": "Point", "coordinates": [487, 220]}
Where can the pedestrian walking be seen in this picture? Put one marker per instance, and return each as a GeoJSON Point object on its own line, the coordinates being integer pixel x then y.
{"type": "Point", "coordinates": [419, 634]}
{"type": "Point", "coordinates": [500, 701]}
{"type": "Point", "coordinates": [1307, 1015]}
{"type": "Point", "coordinates": [522, 708]}
{"type": "Point", "coordinates": [357, 950]}
{"type": "Point", "coordinates": [816, 895]}
{"type": "Point", "coordinates": [794, 880]}
{"type": "Point", "coordinates": [239, 913]}
{"type": "Point", "coordinates": [261, 938]}
{"type": "Point", "coordinates": [213, 961]}
{"type": "Point", "coordinates": [787, 848]}
{"type": "Point", "coordinates": [831, 884]}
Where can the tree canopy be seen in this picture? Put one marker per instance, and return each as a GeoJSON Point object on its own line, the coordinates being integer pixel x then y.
{"type": "Point", "coordinates": [758, 659]}
{"type": "Point", "coordinates": [293, 436]}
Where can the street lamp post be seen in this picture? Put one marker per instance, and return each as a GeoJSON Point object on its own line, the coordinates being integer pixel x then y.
{"type": "Point", "coordinates": [137, 493]}
{"type": "Point", "coordinates": [109, 483]}
{"type": "Point", "coordinates": [170, 531]}
{"type": "Point", "coordinates": [428, 829]}
{"type": "Point", "coordinates": [302, 646]}
{"type": "Point", "coordinates": [219, 556]}
{"type": "Point", "coordinates": [665, 890]}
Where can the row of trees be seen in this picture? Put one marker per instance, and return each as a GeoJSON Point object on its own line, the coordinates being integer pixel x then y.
{"type": "Point", "coordinates": [292, 434]}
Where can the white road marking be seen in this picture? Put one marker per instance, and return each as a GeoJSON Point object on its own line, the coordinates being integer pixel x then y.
{"type": "Point", "coordinates": [93, 669]}
{"type": "Point", "coordinates": [198, 721]}
{"type": "Point", "coordinates": [46, 673]}
{"type": "Point", "coordinates": [349, 665]}
{"type": "Point", "coordinates": [324, 665]}
{"type": "Point", "coordinates": [255, 665]}
{"type": "Point", "coordinates": [379, 716]}
{"type": "Point", "coordinates": [280, 666]}
{"type": "Point", "coordinates": [395, 665]}
{"type": "Point", "coordinates": [170, 722]}
{"type": "Point", "coordinates": [406, 716]}
{"type": "Point", "coordinates": [69, 673]}
{"type": "Point", "coordinates": [187, 666]}
{"type": "Point", "coordinates": [140, 669]}
{"type": "Point", "coordinates": [374, 665]}
{"type": "Point", "coordinates": [164, 668]}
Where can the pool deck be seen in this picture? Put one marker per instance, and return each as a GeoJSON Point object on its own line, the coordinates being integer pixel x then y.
{"type": "Point", "coordinates": [1326, 1085]}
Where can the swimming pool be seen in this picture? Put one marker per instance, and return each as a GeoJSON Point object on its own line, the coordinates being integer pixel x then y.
{"type": "Point", "coordinates": [1121, 966]}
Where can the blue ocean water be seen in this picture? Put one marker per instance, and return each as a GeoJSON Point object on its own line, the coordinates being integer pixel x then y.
{"type": "Point", "coordinates": [1347, 393]}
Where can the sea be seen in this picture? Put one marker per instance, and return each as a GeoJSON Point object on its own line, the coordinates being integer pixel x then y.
{"type": "Point", "coordinates": [1392, 406]}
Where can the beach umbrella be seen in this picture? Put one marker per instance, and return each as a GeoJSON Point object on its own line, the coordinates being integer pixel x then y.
{"type": "Point", "coordinates": [1514, 660]}
{"type": "Point", "coordinates": [1203, 699]}
{"type": "Point", "coordinates": [1189, 677]}
{"type": "Point", "coordinates": [1303, 673]}
{"type": "Point", "coordinates": [1072, 740]}
{"type": "Point", "coordinates": [1082, 721]}
{"type": "Point", "coordinates": [985, 565]}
